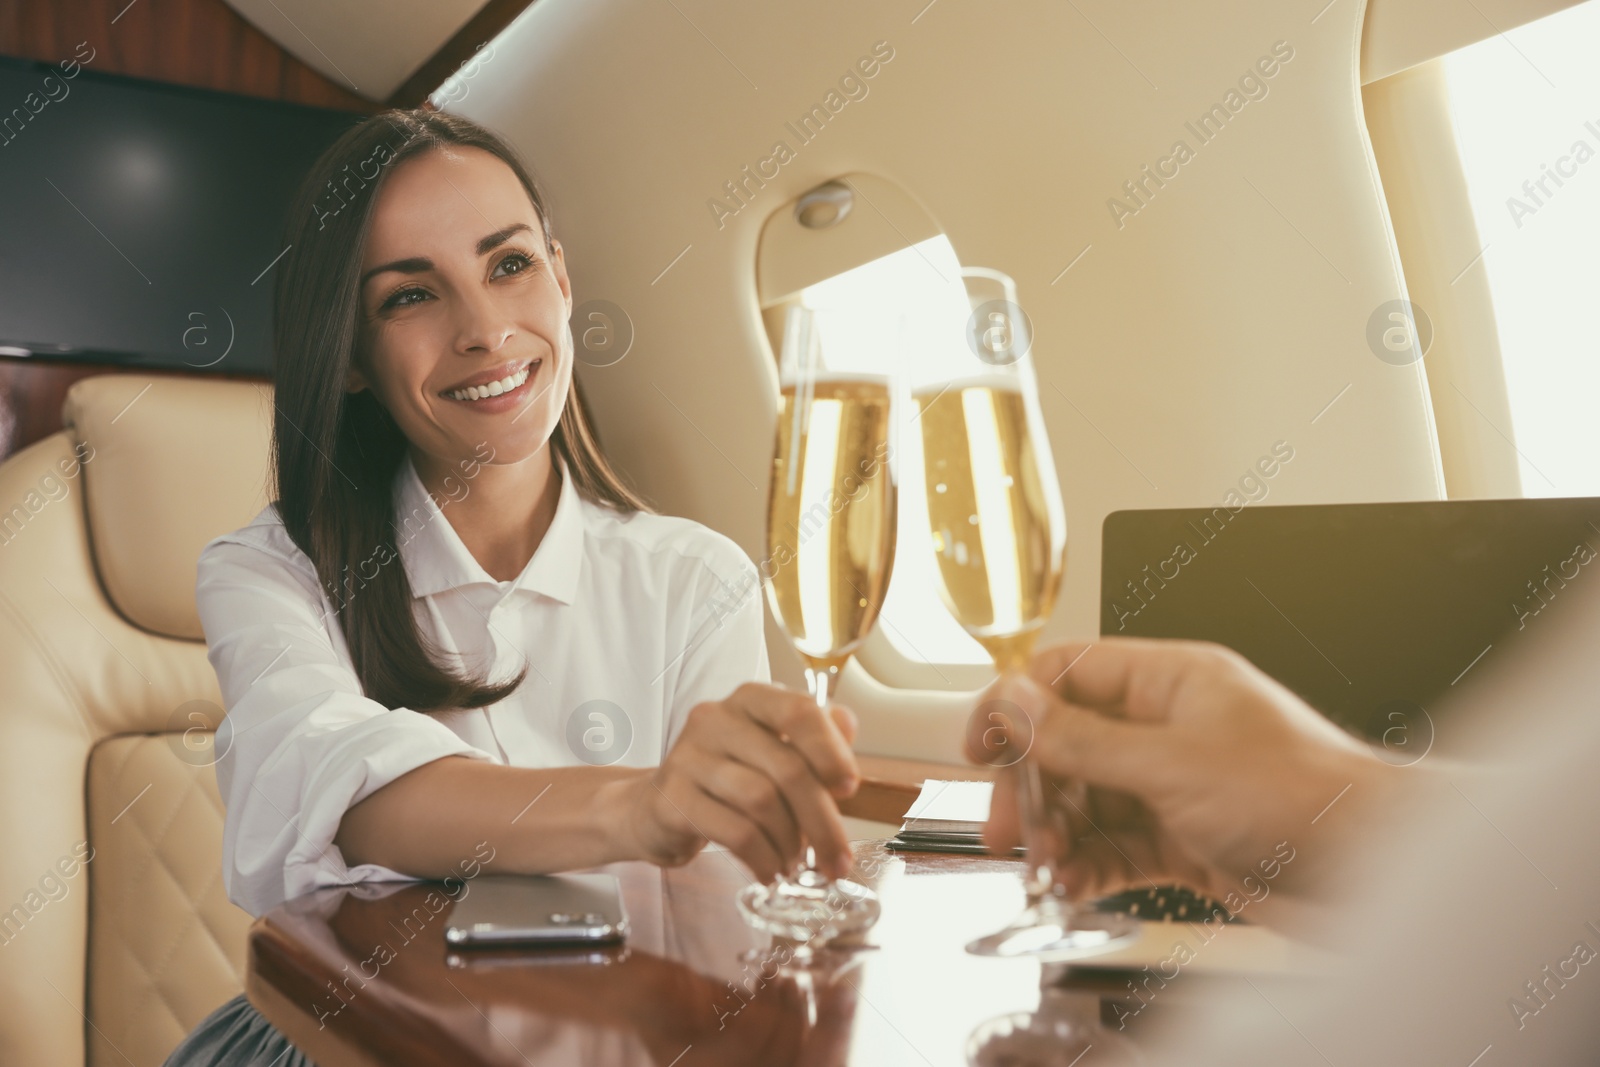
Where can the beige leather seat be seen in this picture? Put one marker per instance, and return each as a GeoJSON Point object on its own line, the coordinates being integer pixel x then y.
{"type": "Point", "coordinates": [116, 936]}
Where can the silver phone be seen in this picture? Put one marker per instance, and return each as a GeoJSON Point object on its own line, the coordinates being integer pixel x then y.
{"type": "Point", "coordinates": [538, 909]}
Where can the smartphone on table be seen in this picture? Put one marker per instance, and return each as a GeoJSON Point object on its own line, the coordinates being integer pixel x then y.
{"type": "Point", "coordinates": [538, 909]}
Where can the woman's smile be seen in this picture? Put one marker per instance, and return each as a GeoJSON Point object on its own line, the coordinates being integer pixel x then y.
{"type": "Point", "coordinates": [509, 390]}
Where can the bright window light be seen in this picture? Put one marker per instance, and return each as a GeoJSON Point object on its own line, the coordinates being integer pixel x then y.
{"type": "Point", "coordinates": [1526, 106]}
{"type": "Point", "coordinates": [925, 279]}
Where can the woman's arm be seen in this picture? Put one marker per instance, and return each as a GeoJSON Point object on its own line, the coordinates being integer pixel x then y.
{"type": "Point", "coordinates": [748, 765]}
{"type": "Point", "coordinates": [324, 786]}
{"type": "Point", "coordinates": [758, 772]}
{"type": "Point", "coordinates": [306, 750]}
{"type": "Point", "coordinates": [430, 820]}
{"type": "Point", "coordinates": [301, 743]}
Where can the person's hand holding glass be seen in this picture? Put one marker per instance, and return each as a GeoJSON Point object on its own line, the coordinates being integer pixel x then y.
{"type": "Point", "coordinates": [999, 534]}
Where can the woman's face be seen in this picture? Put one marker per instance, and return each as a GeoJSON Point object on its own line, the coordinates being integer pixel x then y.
{"type": "Point", "coordinates": [457, 290]}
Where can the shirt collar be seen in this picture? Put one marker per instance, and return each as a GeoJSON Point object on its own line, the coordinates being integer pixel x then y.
{"type": "Point", "coordinates": [436, 560]}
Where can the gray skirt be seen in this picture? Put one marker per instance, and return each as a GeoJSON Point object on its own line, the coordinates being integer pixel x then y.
{"type": "Point", "coordinates": [236, 1035]}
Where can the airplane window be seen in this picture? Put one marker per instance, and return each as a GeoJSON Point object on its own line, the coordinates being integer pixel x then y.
{"type": "Point", "coordinates": [913, 618]}
{"type": "Point", "coordinates": [1526, 107]}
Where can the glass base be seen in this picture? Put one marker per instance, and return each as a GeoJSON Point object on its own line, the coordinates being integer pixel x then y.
{"type": "Point", "coordinates": [1050, 929]}
{"type": "Point", "coordinates": [809, 908]}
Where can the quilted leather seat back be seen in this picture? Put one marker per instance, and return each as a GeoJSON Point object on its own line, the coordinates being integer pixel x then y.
{"type": "Point", "coordinates": [113, 923]}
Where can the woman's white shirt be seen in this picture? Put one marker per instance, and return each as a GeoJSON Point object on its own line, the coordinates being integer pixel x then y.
{"type": "Point", "coordinates": [626, 623]}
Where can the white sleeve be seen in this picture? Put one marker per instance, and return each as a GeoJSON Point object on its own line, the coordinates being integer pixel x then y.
{"type": "Point", "coordinates": [727, 645]}
{"type": "Point", "coordinates": [302, 743]}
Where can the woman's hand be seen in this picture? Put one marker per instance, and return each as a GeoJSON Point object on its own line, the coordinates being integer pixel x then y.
{"type": "Point", "coordinates": [758, 773]}
{"type": "Point", "coordinates": [1203, 768]}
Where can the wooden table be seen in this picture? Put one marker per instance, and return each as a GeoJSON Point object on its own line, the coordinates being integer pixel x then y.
{"type": "Point", "coordinates": [362, 976]}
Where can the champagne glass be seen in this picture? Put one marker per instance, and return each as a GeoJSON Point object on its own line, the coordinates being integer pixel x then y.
{"type": "Point", "coordinates": [999, 533]}
{"type": "Point", "coordinates": [830, 541]}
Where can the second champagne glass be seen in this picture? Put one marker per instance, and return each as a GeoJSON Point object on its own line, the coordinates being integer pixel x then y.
{"type": "Point", "coordinates": [999, 532]}
{"type": "Point", "coordinates": [830, 540]}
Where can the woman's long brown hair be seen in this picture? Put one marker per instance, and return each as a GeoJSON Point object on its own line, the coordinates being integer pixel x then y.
{"type": "Point", "coordinates": [335, 454]}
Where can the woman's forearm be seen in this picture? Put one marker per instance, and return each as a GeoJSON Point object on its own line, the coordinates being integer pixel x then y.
{"type": "Point", "coordinates": [431, 820]}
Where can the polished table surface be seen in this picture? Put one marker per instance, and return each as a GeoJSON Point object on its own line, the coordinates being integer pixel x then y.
{"type": "Point", "coordinates": [362, 975]}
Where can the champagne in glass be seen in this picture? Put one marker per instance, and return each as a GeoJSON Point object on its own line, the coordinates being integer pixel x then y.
{"type": "Point", "coordinates": [830, 539]}
{"type": "Point", "coordinates": [830, 515]}
{"type": "Point", "coordinates": [999, 533]}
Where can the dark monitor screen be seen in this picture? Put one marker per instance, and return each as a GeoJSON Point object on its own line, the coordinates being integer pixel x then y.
{"type": "Point", "coordinates": [138, 221]}
{"type": "Point", "coordinates": [1367, 611]}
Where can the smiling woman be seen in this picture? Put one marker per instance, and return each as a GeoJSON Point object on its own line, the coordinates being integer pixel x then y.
{"type": "Point", "coordinates": [422, 337]}
{"type": "Point", "coordinates": [389, 318]}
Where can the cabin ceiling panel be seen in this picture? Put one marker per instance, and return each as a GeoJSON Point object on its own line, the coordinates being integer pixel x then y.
{"type": "Point", "coordinates": [367, 46]}
{"type": "Point", "coordinates": [372, 46]}
{"type": "Point", "coordinates": [1402, 33]}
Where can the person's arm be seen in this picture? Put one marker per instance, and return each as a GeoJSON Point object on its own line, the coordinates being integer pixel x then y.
{"type": "Point", "coordinates": [301, 743]}
{"type": "Point", "coordinates": [324, 786]}
{"type": "Point", "coordinates": [730, 778]}
{"type": "Point", "coordinates": [1204, 771]}
{"type": "Point", "coordinates": [748, 765]}
{"type": "Point", "coordinates": [536, 820]}
{"type": "Point", "coordinates": [307, 753]}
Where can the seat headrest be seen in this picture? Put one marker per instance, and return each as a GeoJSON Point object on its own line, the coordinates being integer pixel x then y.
{"type": "Point", "coordinates": [168, 463]}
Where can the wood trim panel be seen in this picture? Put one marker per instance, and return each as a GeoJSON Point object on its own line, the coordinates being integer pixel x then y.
{"type": "Point", "coordinates": [199, 43]}
{"type": "Point", "coordinates": [889, 785]}
{"type": "Point", "coordinates": [478, 31]}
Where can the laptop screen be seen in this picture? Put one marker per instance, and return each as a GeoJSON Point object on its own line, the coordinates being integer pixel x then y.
{"type": "Point", "coordinates": [1369, 612]}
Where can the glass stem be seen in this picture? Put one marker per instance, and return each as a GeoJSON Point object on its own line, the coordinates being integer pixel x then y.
{"type": "Point", "coordinates": [1034, 807]}
{"type": "Point", "coordinates": [822, 681]}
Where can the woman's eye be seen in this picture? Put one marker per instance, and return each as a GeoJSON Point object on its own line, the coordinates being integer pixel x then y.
{"type": "Point", "coordinates": [517, 259]}
{"type": "Point", "coordinates": [513, 263]}
{"type": "Point", "coordinates": [403, 298]}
